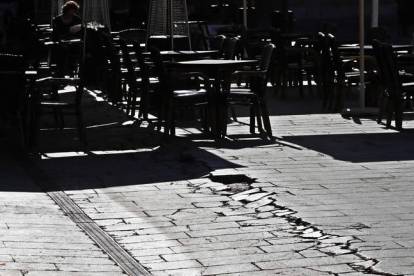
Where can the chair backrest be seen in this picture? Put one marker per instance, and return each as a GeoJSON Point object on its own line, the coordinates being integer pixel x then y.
{"type": "Point", "coordinates": [326, 58]}
{"type": "Point", "coordinates": [380, 59]}
{"type": "Point", "coordinates": [143, 67]}
{"type": "Point", "coordinates": [127, 62]}
{"type": "Point", "coordinates": [266, 57]}
{"type": "Point", "coordinates": [217, 42]}
{"type": "Point", "coordinates": [336, 56]}
{"type": "Point", "coordinates": [114, 89]}
{"type": "Point", "coordinates": [276, 37]}
{"type": "Point", "coordinates": [229, 48]}
{"type": "Point", "coordinates": [12, 80]}
{"type": "Point", "coordinates": [392, 78]}
{"type": "Point", "coordinates": [160, 71]}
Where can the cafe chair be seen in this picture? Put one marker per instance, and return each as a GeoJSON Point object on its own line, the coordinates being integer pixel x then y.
{"type": "Point", "coordinates": [175, 92]}
{"type": "Point", "coordinates": [328, 72]}
{"type": "Point", "coordinates": [398, 95]}
{"type": "Point", "coordinates": [290, 64]}
{"type": "Point", "coordinates": [138, 80]}
{"type": "Point", "coordinates": [346, 74]}
{"type": "Point", "coordinates": [69, 106]}
{"type": "Point", "coordinates": [216, 43]}
{"type": "Point", "coordinates": [148, 85]}
{"type": "Point", "coordinates": [252, 96]}
{"type": "Point", "coordinates": [14, 93]}
{"type": "Point", "coordinates": [113, 80]}
{"type": "Point", "coordinates": [229, 48]}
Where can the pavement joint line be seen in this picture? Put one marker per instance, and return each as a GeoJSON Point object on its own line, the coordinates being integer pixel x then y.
{"type": "Point", "coordinates": [124, 260]}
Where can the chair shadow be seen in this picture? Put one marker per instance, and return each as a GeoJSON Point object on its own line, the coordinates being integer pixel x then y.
{"type": "Point", "coordinates": [360, 148]}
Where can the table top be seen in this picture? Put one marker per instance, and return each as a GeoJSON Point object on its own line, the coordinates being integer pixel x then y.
{"type": "Point", "coordinates": [353, 47]}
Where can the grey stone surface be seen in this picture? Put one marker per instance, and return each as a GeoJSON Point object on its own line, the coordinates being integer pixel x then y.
{"type": "Point", "coordinates": [331, 196]}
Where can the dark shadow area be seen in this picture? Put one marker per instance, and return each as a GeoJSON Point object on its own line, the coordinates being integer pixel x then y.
{"type": "Point", "coordinates": [358, 148]}
{"type": "Point", "coordinates": [119, 153]}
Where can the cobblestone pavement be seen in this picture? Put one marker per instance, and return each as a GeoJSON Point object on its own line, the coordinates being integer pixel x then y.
{"type": "Point", "coordinates": [327, 196]}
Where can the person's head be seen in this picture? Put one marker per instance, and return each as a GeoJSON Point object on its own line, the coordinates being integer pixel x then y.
{"type": "Point", "coordinates": [70, 8]}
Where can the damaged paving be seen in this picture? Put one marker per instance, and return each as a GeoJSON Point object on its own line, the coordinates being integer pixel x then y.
{"type": "Point", "coordinates": [327, 196]}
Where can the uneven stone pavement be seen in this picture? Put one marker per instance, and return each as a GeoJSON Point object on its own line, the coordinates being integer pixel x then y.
{"type": "Point", "coordinates": [328, 196]}
{"type": "Point", "coordinates": [36, 238]}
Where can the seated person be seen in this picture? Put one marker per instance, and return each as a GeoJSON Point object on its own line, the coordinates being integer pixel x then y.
{"type": "Point", "coordinates": [67, 25]}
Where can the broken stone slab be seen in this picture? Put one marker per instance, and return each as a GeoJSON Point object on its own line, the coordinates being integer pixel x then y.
{"type": "Point", "coordinates": [245, 194]}
{"type": "Point", "coordinates": [266, 208]}
{"type": "Point", "coordinates": [335, 250]}
{"type": "Point", "coordinates": [312, 235]}
{"type": "Point", "coordinates": [259, 203]}
{"type": "Point", "coordinates": [339, 240]}
{"type": "Point", "coordinates": [255, 197]}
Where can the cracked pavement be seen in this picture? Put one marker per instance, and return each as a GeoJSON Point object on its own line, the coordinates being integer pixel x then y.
{"type": "Point", "coordinates": [327, 196]}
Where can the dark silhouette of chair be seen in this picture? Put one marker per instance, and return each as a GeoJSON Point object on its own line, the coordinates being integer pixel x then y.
{"type": "Point", "coordinates": [382, 71]}
{"type": "Point", "coordinates": [291, 62]}
{"type": "Point", "coordinates": [148, 84]}
{"type": "Point", "coordinates": [130, 77]}
{"type": "Point", "coordinates": [216, 43]}
{"type": "Point", "coordinates": [138, 81]}
{"type": "Point", "coordinates": [113, 79]}
{"type": "Point", "coordinates": [397, 94]}
{"type": "Point", "coordinates": [14, 95]}
{"type": "Point", "coordinates": [70, 106]}
{"type": "Point", "coordinates": [346, 76]}
{"type": "Point", "coordinates": [328, 72]}
{"type": "Point", "coordinates": [252, 96]}
{"type": "Point", "coordinates": [175, 93]}
{"type": "Point", "coordinates": [229, 48]}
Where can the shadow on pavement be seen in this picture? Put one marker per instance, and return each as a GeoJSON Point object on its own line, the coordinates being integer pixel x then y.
{"type": "Point", "coordinates": [358, 148]}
